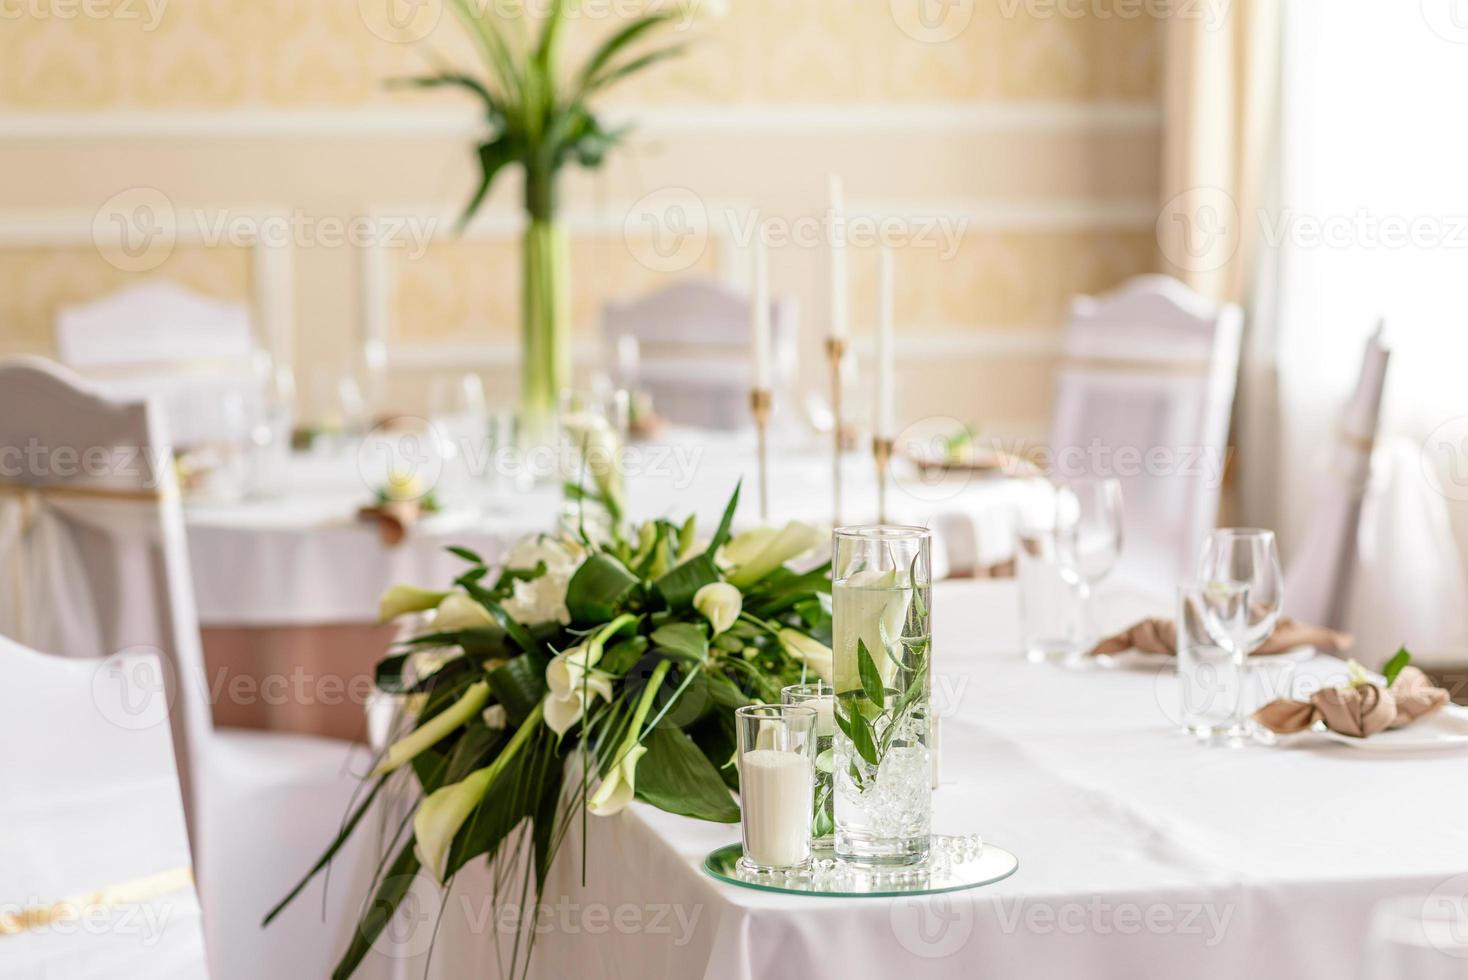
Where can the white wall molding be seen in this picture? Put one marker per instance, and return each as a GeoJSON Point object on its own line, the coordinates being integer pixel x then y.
{"type": "Point", "coordinates": [398, 121]}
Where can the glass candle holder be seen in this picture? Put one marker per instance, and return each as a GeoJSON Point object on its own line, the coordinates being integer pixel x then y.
{"type": "Point", "coordinates": [880, 607]}
{"type": "Point", "coordinates": [777, 744]}
{"type": "Point", "coordinates": [821, 697]}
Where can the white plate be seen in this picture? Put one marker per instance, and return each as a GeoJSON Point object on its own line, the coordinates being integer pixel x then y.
{"type": "Point", "coordinates": [1448, 729]}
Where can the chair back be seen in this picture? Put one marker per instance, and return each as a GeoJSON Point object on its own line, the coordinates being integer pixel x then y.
{"type": "Point", "coordinates": [157, 339]}
{"type": "Point", "coordinates": [692, 344]}
{"type": "Point", "coordinates": [93, 558]}
{"type": "Point", "coordinates": [1318, 579]}
{"type": "Point", "coordinates": [1144, 394]}
{"type": "Point", "coordinates": [97, 878]}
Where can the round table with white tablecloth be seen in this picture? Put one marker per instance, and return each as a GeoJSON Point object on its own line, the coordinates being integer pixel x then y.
{"type": "Point", "coordinates": [287, 583]}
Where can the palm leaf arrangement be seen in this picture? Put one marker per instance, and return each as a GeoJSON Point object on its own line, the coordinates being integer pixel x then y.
{"type": "Point", "coordinates": [579, 675]}
{"type": "Point", "coordinates": [540, 117]}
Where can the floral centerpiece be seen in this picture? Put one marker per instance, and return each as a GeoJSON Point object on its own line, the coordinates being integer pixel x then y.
{"type": "Point", "coordinates": [540, 118]}
{"type": "Point", "coordinates": [577, 676]}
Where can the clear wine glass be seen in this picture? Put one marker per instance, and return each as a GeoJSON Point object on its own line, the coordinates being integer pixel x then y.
{"type": "Point", "coordinates": [1095, 512]}
{"type": "Point", "coordinates": [1243, 592]}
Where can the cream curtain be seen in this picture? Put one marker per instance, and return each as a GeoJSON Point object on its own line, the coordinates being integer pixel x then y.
{"type": "Point", "coordinates": [1220, 153]}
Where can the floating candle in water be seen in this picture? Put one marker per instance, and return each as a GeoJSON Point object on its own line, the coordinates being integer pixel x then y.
{"type": "Point", "coordinates": [775, 794]}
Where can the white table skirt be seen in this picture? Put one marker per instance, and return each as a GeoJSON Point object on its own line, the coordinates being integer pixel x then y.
{"type": "Point", "coordinates": [303, 558]}
{"type": "Point", "coordinates": [1142, 853]}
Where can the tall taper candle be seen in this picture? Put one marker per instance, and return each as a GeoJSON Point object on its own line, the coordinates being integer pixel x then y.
{"type": "Point", "coordinates": [884, 425]}
{"type": "Point", "coordinates": [759, 324]}
{"type": "Point", "coordinates": [840, 316]}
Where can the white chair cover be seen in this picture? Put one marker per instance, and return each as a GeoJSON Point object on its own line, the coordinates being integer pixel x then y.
{"type": "Point", "coordinates": [1418, 937]}
{"type": "Point", "coordinates": [102, 559]}
{"type": "Point", "coordinates": [91, 815]}
{"type": "Point", "coordinates": [1319, 577]}
{"type": "Point", "coordinates": [1144, 394]}
{"type": "Point", "coordinates": [692, 343]}
{"type": "Point", "coordinates": [158, 340]}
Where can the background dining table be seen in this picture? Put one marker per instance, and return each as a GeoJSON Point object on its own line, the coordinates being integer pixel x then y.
{"type": "Point", "coordinates": [1142, 852]}
{"type": "Point", "coordinates": [287, 579]}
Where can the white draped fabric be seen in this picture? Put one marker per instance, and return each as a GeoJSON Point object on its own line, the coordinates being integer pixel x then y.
{"type": "Point", "coordinates": [1142, 853]}
{"type": "Point", "coordinates": [91, 813]}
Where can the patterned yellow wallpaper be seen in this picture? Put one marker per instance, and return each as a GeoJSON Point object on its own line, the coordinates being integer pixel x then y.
{"type": "Point", "coordinates": [180, 54]}
{"type": "Point", "coordinates": [36, 282]}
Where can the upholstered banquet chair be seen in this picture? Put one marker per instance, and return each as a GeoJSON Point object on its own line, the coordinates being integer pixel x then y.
{"type": "Point", "coordinates": [93, 561]}
{"type": "Point", "coordinates": [1319, 576]}
{"type": "Point", "coordinates": [1144, 394]}
{"type": "Point", "coordinates": [692, 350]}
{"type": "Point", "coordinates": [96, 880]}
{"type": "Point", "coordinates": [196, 355]}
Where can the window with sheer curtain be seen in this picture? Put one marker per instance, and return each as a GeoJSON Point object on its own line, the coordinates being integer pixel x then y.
{"type": "Point", "coordinates": [1372, 222]}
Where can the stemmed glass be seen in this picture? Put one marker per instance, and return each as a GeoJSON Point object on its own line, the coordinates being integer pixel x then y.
{"type": "Point", "coordinates": [456, 408]}
{"type": "Point", "coordinates": [1243, 591]}
{"type": "Point", "coordinates": [1094, 505]}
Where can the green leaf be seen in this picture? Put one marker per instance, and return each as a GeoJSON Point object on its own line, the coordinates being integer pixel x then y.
{"type": "Point", "coordinates": [623, 656]}
{"type": "Point", "coordinates": [679, 586]}
{"type": "Point", "coordinates": [524, 638]}
{"type": "Point", "coordinates": [722, 534]}
{"type": "Point", "coordinates": [389, 676]}
{"type": "Point", "coordinates": [519, 685]}
{"type": "Point", "coordinates": [610, 76]}
{"type": "Point", "coordinates": [682, 640]}
{"type": "Point", "coordinates": [494, 156]}
{"type": "Point", "coordinates": [677, 777]}
{"type": "Point", "coordinates": [871, 680]}
{"type": "Point", "coordinates": [1394, 666]}
{"type": "Point", "coordinates": [390, 894]}
{"type": "Point", "coordinates": [598, 589]}
{"type": "Point", "coordinates": [515, 793]}
{"type": "Point", "coordinates": [856, 728]}
{"type": "Point", "coordinates": [465, 554]}
{"type": "Point", "coordinates": [618, 42]}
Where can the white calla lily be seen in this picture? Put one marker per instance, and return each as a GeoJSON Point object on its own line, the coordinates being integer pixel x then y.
{"type": "Point", "coordinates": [408, 747]}
{"type": "Point", "coordinates": [440, 816]}
{"type": "Point", "coordinates": [495, 717]}
{"type": "Point", "coordinates": [403, 599]}
{"type": "Point", "coordinates": [459, 612]}
{"type": "Point", "coordinates": [809, 651]}
{"type": "Point", "coordinates": [618, 787]}
{"type": "Point", "coordinates": [720, 603]}
{"type": "Point", "coordinates": [874, 604]}
{"type": "Point", "coordinates": [793, 540]}
{"type": "Point", "coordinates": [742, 547]}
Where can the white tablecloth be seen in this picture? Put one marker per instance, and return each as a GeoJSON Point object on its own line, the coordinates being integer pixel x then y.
{"type": "Point", "coordinates": [1142, 853]}
{"type": "Point", "coordinates": [302, 557]}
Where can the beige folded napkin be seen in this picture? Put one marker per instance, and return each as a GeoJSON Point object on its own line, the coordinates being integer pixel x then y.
{"type": "Point", "coordinates": [394, 519]}
{"type": "Point", "coordinates": [1360, 710]}
{"type": "Point", "coordinates": [1160, 636]}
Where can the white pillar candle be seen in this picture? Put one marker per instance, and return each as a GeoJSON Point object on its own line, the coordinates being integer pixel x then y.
{"type": "Point", "coordinates": [840, 326]}
{"type": "Point", "coordinates": [825, 716]}
{"type": "Point", "coordinates": [776, 794]}
{"type": "Point", "coordinates": [760, 319]}
{"type": "Point", "coordinates": [885, 423]}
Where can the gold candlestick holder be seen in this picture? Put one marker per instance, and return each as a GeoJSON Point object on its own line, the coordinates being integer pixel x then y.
{"type": "Point", "coordinates": [760, 403]}
{"type": "Point", "coordinates": [835, 354]}
{"type": "Point", "coordinates": [882, 453]}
